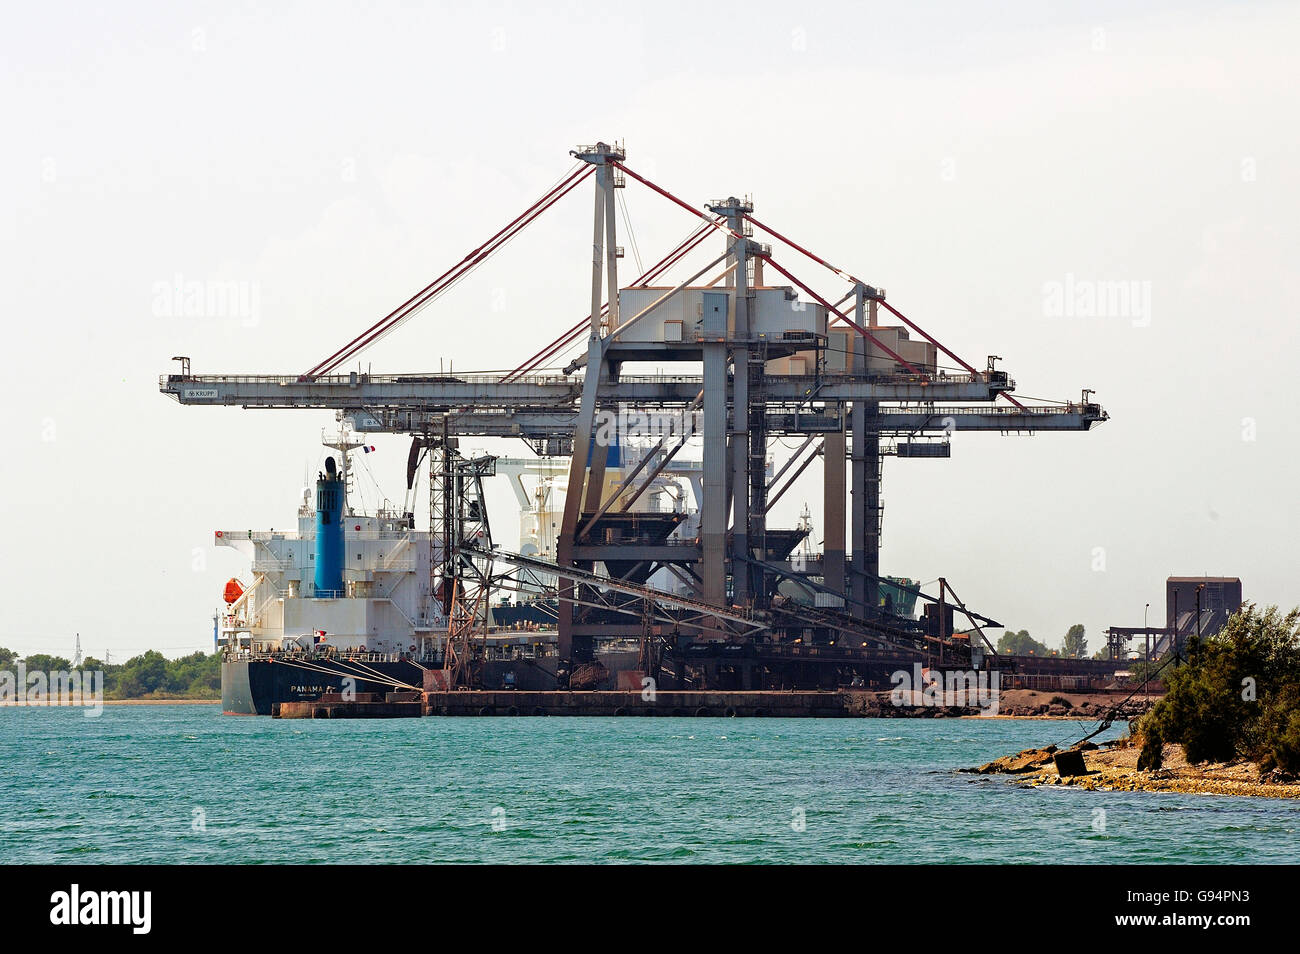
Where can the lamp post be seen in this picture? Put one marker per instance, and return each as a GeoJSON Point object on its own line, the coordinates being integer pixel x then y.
{"type": "Point", "coordinates": [1199, 587]}
{"type": "Point", "coordinates": [1178, 641]}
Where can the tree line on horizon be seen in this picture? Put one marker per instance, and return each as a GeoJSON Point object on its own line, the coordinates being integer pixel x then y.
{"type": "Point", "coordinates": [150, 675]}
{"type": "Point", "coordinates": [1073, 646]}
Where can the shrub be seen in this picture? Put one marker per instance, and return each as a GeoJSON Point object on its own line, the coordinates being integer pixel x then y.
{"type": "Point", "coordinates": [1237, 696]}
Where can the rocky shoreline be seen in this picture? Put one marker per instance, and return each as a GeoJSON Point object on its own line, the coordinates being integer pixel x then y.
{"type": "Point", "coordinates": [1112, 767]}
{"type": "Point", "coordinates": [1012, 704]}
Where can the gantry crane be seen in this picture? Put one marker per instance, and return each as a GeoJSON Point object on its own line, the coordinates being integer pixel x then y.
{"type": "Point", "coordinates": [839, 381]}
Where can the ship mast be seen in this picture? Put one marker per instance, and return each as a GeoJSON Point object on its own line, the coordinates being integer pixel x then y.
{"type": "Point", "coordinates": [344, 445]}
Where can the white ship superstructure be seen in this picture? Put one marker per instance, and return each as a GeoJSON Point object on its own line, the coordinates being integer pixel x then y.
{"type": "Point", "coordinates": [385, 604]}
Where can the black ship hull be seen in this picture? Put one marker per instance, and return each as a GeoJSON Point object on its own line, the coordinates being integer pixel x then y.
{"type": "Point", "coordinates": [254, 686]}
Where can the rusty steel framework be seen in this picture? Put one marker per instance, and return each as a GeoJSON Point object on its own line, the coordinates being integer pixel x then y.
{"type": "Point", "coordinates": [466, 574]}
{"type": "Point", "coordinates": [880, 403]}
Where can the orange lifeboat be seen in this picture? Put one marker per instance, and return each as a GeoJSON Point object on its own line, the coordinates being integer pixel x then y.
{"type": "Point", "coordinates": [234, 590]}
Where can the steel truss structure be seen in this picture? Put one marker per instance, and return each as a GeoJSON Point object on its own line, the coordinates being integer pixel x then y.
{"type": "Point", "coordinates": [880, 403]}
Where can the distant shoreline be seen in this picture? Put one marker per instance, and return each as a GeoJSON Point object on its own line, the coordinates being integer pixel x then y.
{"type": "Point", "coordinates": [112, 702]}
{"type": "Point", "coordinates": [162, 702]}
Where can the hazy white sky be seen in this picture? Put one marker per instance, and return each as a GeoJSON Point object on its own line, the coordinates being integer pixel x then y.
{"type": "Point", "coordinates": [963, 156]}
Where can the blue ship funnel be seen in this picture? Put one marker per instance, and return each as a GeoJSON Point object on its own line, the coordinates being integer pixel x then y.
{"type": "Point", "coordinates": [329, 533]}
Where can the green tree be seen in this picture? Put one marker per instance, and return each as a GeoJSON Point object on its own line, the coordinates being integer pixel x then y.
{"type": "Point", "coordinates": [144, 674]}
{"type": "Point", "coordinates": [1238, 696]}
{"type": "Point", "coordinates": [43, 662]}
{"type": "Point", "coordinates": [1278, 745]}
{"type": "Point", "coordinates": [1075, 645]}
{"type": "Point", "coordinates": [196, 676]}
{"type": "Point", "coordinates": [1021, 644]}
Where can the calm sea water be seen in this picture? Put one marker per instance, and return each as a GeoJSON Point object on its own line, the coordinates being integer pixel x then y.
{"type": "Point", "coordinates": [181, 784]}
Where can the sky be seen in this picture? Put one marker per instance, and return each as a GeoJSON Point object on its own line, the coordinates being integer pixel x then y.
{"type": "Point", "coordinates": [974, 160]}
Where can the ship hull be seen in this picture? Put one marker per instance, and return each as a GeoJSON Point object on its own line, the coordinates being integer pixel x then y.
{"type": "Point", "coordinates": [254, 686]}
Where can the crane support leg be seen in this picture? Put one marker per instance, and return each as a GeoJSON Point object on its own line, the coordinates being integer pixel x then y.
{"type": "Point", "coordinates": [834, 497]}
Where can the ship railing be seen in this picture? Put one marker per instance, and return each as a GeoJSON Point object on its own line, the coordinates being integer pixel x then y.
{"type": "Point", "coordinates": [266, 536]}
{"type": "Point", "coordinates": [373, 657]}
{"type": "Point", "coordinates": [320, 653]}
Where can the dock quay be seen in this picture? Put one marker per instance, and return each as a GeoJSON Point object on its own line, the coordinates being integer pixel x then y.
{"type": "Point", "coordinates": [778, 704]}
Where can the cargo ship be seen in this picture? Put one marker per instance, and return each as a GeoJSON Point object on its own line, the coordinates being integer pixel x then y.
{"type": "Point", "coordinates": [340, 605]}
{"type": "Point", "coordinates": [348, 603]}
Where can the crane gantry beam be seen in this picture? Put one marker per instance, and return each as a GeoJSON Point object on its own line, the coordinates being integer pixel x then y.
{"type": "Point", "coordinates": [487, 391]}
{"type": "Point", "coordinates": [479, 406]}
{"type": "Point", "coordinates": [539, 424]}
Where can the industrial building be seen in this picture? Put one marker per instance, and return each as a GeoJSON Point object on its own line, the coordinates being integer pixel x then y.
{"type": "Point", "coordinates": [1194, 606]}
{"type": "Point", "coordinates": [1200, 605]}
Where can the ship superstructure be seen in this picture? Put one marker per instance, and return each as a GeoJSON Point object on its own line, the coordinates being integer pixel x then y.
{"type": "Point", "coordinates": [355, 581]}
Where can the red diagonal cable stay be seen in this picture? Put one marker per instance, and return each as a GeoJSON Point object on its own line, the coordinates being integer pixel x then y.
{"type": "Point", "coordinates": [448, 278]}
{"type": "Point", "coordinates": [683, 248]}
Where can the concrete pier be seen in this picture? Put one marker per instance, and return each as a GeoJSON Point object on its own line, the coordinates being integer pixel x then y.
{"type": "Point", "coordinates": [604, 703]}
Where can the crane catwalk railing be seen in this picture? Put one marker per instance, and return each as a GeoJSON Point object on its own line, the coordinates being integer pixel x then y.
{"type": "Point", "coordinates": [572, 382]}
{"type": "Point", "coordinates": [568, 382]}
